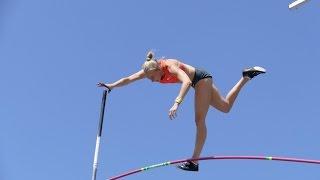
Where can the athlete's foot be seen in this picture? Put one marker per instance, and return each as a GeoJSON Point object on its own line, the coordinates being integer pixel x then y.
{"type": "Point", "coordinates": [189, 166]}
{"type": "Point", "coordinates": [252, 72]}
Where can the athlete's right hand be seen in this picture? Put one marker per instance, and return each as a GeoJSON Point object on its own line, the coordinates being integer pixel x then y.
{"type": "Point", "coordinates": [108, 86]}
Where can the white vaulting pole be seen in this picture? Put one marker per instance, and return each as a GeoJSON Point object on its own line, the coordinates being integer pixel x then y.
{"type": "Point", "coordinates": [96, 152]}
{"type": "Point", "coordinates": [297, 3]}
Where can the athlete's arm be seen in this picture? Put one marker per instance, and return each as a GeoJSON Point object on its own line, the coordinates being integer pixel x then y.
{"type": "Point", "coordinates": [186, 83]}
{"type": "Point", "coordinates": [125, 81]}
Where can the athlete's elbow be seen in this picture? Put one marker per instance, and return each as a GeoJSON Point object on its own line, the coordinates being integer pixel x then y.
{"type": "Point", "coordinates": [125, 81]}
{"type": "Point", "coordinates": [187, 83]}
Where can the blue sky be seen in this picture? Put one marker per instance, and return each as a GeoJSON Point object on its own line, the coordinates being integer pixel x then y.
{"type": "Point", "coordinates": [52, 54]}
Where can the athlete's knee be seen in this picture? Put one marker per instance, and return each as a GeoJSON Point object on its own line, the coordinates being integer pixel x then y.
{"type": "Point", "coordinates": [226, 109]}
{"type": "Point", "coordinates": [200, 121]}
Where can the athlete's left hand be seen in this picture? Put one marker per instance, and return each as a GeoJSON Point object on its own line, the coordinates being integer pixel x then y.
{"type": "Point", "coordinates": [173, 111]}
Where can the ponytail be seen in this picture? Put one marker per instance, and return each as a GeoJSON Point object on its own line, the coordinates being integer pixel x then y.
{"type": "Point", "coordinates": [150, 56]}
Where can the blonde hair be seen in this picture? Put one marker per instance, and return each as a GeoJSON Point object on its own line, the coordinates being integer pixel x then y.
{"type": "Point", "coordinates": [150, 63]}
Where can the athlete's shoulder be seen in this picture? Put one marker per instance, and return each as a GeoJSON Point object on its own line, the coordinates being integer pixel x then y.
{"type": "Point", "coordinates": [172, 62]}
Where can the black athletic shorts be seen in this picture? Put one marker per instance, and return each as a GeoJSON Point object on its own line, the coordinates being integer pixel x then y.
{"type": "Point", "coordinates": [198, 75]}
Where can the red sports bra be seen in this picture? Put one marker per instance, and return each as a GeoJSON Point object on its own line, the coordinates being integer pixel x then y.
{"type": "Point", "coordinates": [168, 77]}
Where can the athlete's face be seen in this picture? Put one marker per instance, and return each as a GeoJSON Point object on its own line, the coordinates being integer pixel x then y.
{"type": "Point", "coordinates": [154, 75]}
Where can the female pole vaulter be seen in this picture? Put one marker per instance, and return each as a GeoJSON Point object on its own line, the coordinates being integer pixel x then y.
{"type": "Point", "coordinates": [206, 93]}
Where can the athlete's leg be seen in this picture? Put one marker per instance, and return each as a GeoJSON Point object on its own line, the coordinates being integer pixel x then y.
{"type": "Point", "coordinates": [225, 104]}
{"type": "Point", "coordinates": [202, 103]}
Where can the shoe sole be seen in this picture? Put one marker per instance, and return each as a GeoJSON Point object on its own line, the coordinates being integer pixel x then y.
{"type": "Point", "coordinates": [260, 69]}
{"type": "Point", "coordinates": [186, 169]}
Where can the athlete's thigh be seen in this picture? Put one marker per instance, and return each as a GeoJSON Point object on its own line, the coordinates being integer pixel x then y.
{"type": "Point", "coordinates": [217, 100]}
{"type": "Point", "coordinates": [202, 98]}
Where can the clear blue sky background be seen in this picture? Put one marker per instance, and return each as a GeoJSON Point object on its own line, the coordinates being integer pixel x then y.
{"type": "Point", "coordinates": [53, 52]}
